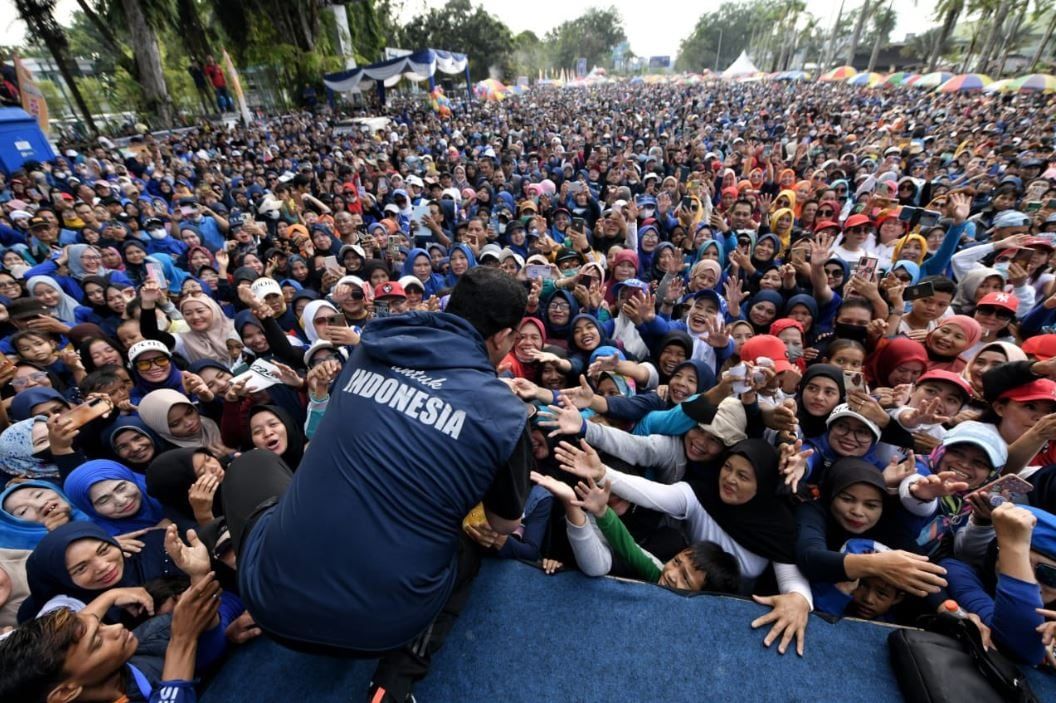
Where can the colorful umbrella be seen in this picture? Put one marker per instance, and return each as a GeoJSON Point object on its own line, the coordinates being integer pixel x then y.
{"type": "Point", "coordinates": [1035, 83]}
{"type": "Point", "coordinates": [932, 80]}
{"type": "Point", "coordinates": [901, 78]}
{"type": "Point", "coordinates": [840, 73]}
{"type": "Point", "coordinates": [865, 79]}
{"type": "Point", "coordinates": [1002, 86]}
{"type": "Point", "coordinates": [965, 82]}
{"type": "Point", "coordinates": [792, 76]}
{"type": "Point", "coordinates": [490, 89]}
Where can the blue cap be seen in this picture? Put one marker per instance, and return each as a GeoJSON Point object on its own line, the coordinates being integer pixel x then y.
{"type": "Point", "coordinates": [1043, 538]}
{"type": "Point", "coordinates": [630, 283]}
{"type": "Point", "coordinates": [1011, 218]}
{"type": "Point", "coordinates": [983, 435]}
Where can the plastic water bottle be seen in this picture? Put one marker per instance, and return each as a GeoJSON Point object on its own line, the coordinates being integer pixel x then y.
{"type": "Point", "coordinates": [951, 607]}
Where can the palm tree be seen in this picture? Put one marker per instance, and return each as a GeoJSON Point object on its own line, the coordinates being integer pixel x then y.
{"type": "Point", "coordinates": [883, 23]}
{"type": "Point", "coordinates": [1014, 37]}
{"type": "Point", "coordinates": [863, 15]}
{"type": "Point", "coordinates": [39, 16]}
{"type": "Point", "coordinates": [950, 11]}
{"type": "Point", "coordinates": [1040, 8]}
{"type": "Point", "coordinates": [830, 52]}
{"type": "Point", "coordinates": [1000, 9]}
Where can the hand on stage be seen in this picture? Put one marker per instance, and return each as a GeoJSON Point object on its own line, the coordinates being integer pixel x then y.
{"type": "Point", "coordinates": [789, 615]}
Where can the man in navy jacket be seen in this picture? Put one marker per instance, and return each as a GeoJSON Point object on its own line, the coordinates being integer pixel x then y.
{"type": "Point", "coordinates": [364, 552]}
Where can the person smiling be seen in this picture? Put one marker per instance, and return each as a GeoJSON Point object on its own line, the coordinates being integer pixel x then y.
{"type": "Point", "coordinates": [114, 497]}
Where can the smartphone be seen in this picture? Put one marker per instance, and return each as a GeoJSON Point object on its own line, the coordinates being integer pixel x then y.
{"type": "Point", "coordinates": [854, 381]}
{"type": "Point", "coordinates": [1032, 206]}
{"type": "Point", "coordinates": [740, 378]}
{"type": "Point", "coordinates": [476, 516]}
{"type": "Point", "coordinates": [542, 271]}
{"type": "Point", "coordinates": [906, 213]}
{"type": "Point", "coordinates": [929, 218]}
{"type": "Point", "coordinates": [1050, 204]}
{"type": "Point", "coordinates": [579, 224]}
{"type": "Point", "coordinates": [330, 264]}
{"type": "Point", "coordinates": [921, 290]}
{"type": "Point", "coordinates": [867, 266]}
{"type": "Point", "coordinates": [393, 247]}
{"type": "Point", "coordinates": [381, 308]}
{"type": "Point", "coordinates": [155, 272]}
{"type": "Point", "coordinates": [81, 415]}
{"type": "Point", "coordinates": [687, 203]}
{"type": "Point", "coordinates": [1010, 487]}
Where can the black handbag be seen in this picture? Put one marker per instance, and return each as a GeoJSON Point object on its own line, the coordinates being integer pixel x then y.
{"type": "Point", "coordinates": [946, 663]}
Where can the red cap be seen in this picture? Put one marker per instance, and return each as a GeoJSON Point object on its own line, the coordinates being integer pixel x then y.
{"type": "Point", "coordinates": [389, 289]}
{"type": "Point", "coordinates": [1000, 300]}
{"type": "Point", "coordinates": [769, 346]}
{"type": "Point", "coordinates": [857, 221]}
{"type": "Point", "coordinates": [1041, 347]}
{"type": "Point", "coordinates": [1038, 242]}
{"type": "Point", "coordinates": [1042, 389]}
{"type": "Point", "coordinates": [783, 324]}
{"type": "Point", "coordinates": [948, 377]}
{"type": "Point", "coordinates": [826, 224]}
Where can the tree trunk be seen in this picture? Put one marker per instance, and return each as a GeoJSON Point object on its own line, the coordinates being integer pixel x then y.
{"type": "Point", "coordinates": [148, 58]}
{"type": "Point", "coordinates": [876, 43]}
{"type": "Point", "coordinates": [966, 60]}
{"type": "Point", "coordinates": [830, 52]}
{"type": "Point", "coordinates": [54, 47]}
{"type": "Point", "coordinates": [1006, 42]}
{"type": "Point", "coordinates": [943, 36]}
{"type": "Point", "coordinates": [996, 28]}
{"type": "Point", "coordinates": [863, 15]}
{"type": "Point", "coordinates": [195, 39]}
{"type": "Point", "coordinates": [1045, 39]}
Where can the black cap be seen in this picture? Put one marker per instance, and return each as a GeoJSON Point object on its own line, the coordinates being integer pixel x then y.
{"type": "Point", "coordinates": [109, 200]}
{"type": "Point", "coordinates": [21, 308]}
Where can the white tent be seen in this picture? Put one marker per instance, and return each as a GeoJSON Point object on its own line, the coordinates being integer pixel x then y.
{"type": "Point", "coordinates": [743, 66]}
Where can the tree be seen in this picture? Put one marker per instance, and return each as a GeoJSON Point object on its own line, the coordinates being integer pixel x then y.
{"type": "Point", "coordinates": [366, 28]}
{"type": "Point", "coordinates": [1041, 7]}
{"type": "Point", "coordinates": [884, 21]}
{"type": "Point", "coordinates": [719, 37]}
{"type": "Point", "coordinates": [863, 15]}
{"type": "Point", "coordinates": [458, 26]}
{"type": "Point", "coordinates": [148, 60]}
{"type": "Point", "coordinates": [593, 35]}
{"type": "Point", "coordinates": [39, 16]}
{"type": "Point", "coordinates": [950, 11]}
{"type": "Point", "coordinates": [1000, 12]}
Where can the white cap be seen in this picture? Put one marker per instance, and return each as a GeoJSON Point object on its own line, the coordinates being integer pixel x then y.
{"type": "Point", "coordinates": [352, 281]}
{"type": "Point", "coordinates": [492, 250]}
{"type": "Point", "coordinates": [316, 346]}
{"type": "Point", "coordinates": [147, 345]}
{"type": "Point", "coordinates": [454, 193]}
{"type": "Point", "coordinates": [392, 207]}
{"type": "Point", "coordinates": [844, 410]}
{"type": "Point", "coordinates": [413, 180]}
{"type": "Point", "coordinates": [263, 287]}
{"type": "Point", "coordinates": [406, 281]}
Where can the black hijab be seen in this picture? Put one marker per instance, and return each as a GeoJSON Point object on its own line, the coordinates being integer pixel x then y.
{"type": "Point", "coordinates": [888, 530]}
{"type": "Point", "coordinates": [765, 524]}
{"type": "Point", "coordinates": [294, 434]}
{"type": "Point", "coordinates": [811, 425]}
{"type": "Point", "coordinates": [169, 478]}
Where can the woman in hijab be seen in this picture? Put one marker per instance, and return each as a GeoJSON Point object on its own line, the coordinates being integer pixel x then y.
{"type": "Point", "coordinates": [58, 302]}
{"type": "Point", "coordinates": [113, 497]}
{"type": "Point", "coordinates": [23, 448]}
{"type": "Point", "coordinates": [521, 362]}
{"type": "Point", "coordinates": [974, 285]}
{"type": "Point", "coordinates": [762, 309]}
{"type": "Point", "coordinates": [557, 313]}
{"type": "Point", "coordinates": [739, 509]}
{"type": "Point", "coordinates": [133, 443]}
{"type": "Point", "coordinates": [96, 564]}
{"type": "Point", "coordinates": [171, 477]}
{"type": "Point", "coordinates": [855, 504]}
{"type": "Point", "coordinates": [172, 417]}
{"type": "Point", "coordinates": [461, 259]}
{"type": "Point", "coordinates": [901, 360]}
{"type": "Point", "coordinates": [152, 369]}
{"type": "Point", "coordinates": [29, 509]}
{"type": "Point", "coordinates": [420, 265]}
{"type": "Point", "coordinates": [781, 222]}
{"type": "Point", "coordinates": [313, 311]}
{"type": "Point", "coordinates": [273, 429]}
{"type": "Point", "coordinates": [820, 391]}
{"type": "Point", "coordinates": [949, 340]}
{"type": "Point", "coordinates": [210, 329]}
{"type": "Point", "coordinates": [989, 356]}
{"type": "Point", "coordinates": [85, 260]}
{"type": "Point", "coordinates": [713, 250]}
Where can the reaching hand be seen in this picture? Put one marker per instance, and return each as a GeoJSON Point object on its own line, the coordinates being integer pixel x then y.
{"type": "Point", "coordinates": [896, 471]}
{"type": "Point", "coordinates": [1048, 635]}
{"type": "Point", "coordinates": [909, 572]}
{"type": "Point", "coordinates": [560, 490]}
{"type": "Point", "coordinates": [130, 542]}
{"type": "Point", "coordinates": [565, 418]}
{"type": "Point", "coordinates": [602, 365]}
{"type": "Point", "coordinates": [192, 559]}
{"type": "Point", "coordinates": [135, 600]}
{"type": "Point", "coordinates": [715, 333]}
{"type": "Point", "coordinates": [794, 463]}
{"type": "Point", "coordinates": [581, 396]}
{"type": "Point", "coordinates": [1013, 525]}
{"type": "Point", "coordinates": [582, 461]}
{"type": "Point", "coordinates": [593, 496]}
{"type": "Point", "coordinates": [194, 385]}
{"type": "Point", "coordinates": [288, 376]}
{"type": "Point", "coordinates": [789, 614]}
{"type": "Point", "coordinates": [196, 609]}
{"type": "Point", "coordinates": [321, 376]}
{"type": "Point", "coordinates": [958, 207]}
{"type": "Point", "coordinates": [940, 485]}
{"type": "Point", "coordinates": [926, 414]}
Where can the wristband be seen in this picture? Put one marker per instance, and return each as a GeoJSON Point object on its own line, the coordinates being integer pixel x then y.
{"type": "Point", "coordinates": [557, 397]}
{"type": "Point", "coordinates": [583, 428]}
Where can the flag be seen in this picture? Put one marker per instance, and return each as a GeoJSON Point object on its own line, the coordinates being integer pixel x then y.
{"type": "Point", "coordinates": [33, 100]}
{"type": "Point", "coordinates": [236, 88]}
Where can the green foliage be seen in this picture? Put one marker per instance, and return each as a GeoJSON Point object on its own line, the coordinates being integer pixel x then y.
{"type": "Point", "coordinates": [738, 23]}
{"type": "Point", "coordinates": [592, 35]}
{"type": "Point", "coordinates": [367, 30]}
{"type": "Point", "coordinates": [458, 26]}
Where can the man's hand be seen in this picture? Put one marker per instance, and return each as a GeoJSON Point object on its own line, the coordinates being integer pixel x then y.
{"type": "Point", "coordinates": [485, 536]}
{"type": "Point", "coordinates": [581, 461]}
{"type": "Point", "coordinates": [242, 629]}
{"type": "Point", "coordinates": [789, 614]}
{"type": "Point", "coordinates": [321, 376]}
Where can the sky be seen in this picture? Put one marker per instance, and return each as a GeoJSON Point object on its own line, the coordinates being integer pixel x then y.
{"type": "Point", "coordinates": [654, 28]}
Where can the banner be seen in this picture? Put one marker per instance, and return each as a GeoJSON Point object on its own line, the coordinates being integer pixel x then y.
{"type": "Point", "coordinates": [33, 100]}
{"type": "Point", "coordinates": [236, 88]}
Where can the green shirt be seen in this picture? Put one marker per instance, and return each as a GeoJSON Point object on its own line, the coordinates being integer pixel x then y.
{"type": "Point", "coordinates": [623, 545]}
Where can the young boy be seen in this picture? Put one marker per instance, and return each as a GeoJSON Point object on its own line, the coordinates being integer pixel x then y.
{"type": "Point", "coordinates": [702, 566]}
{"type": "Point", "coordinates": [42, 349]}
{"type": "Point", "coordinates": [873, 599]}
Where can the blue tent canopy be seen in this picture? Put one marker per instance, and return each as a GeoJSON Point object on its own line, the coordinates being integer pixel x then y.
{"type": "Point", "coordinates": [21, 140]}
{"type": "Point", "coordinates": [419, 66]}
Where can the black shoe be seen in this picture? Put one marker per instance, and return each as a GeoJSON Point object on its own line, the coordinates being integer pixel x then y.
{"type": "Point", "coordinates": [377, 694]}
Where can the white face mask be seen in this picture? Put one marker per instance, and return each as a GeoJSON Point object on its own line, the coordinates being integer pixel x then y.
{"type": "Point", "coordinates": [157, 233]}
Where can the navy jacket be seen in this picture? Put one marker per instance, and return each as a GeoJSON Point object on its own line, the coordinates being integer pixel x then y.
{"type": "Point", "coordinates": [360, 551]}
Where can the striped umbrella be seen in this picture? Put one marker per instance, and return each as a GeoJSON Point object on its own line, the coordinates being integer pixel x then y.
{"type": "Point", "coordinates": [965, 82]}
{"type": "Point", "coordinates": [1035, 83]}
{"type": "Point", "coordinates": [840, 73]}
{"type": "Point", "coordinates": [1002, 86]}
{"type": "Point", "coordinates": [865, 79]}
{"type": "Point", "coordinates": [900, 78]}
{"type": "Point", "coordinates": [932, 80]}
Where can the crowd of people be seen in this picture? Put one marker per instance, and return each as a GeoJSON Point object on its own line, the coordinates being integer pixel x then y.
{"type": "Point", "coordinates": [791, 342]}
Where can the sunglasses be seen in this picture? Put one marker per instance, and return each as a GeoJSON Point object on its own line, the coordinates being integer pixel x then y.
{"type": "Point", "coordinates": [992, 311]}
{"type": "Point", "coordinates": [834, 273]}
{"type": "Point", "coordinates": [826, 213]}
{"type": "Point", "coordinates": [338, 320]}
{"type": "Point", "coordinates": [162, 362]}
{"type": "Point", "coordinates": [1046, 575]}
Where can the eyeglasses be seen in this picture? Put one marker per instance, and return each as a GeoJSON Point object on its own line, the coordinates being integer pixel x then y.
{"type": "Point", "coordinates": [32, 379]}
{"type": "Point", "coordinates": [1045, 574]}
{"type": "Point", "coordinates": [91, 257]}
{"type": "Point", "coordinates": [162, 362]}
{"type": "Point", "coordinates": [357, 295]}
{"type": "Point", "coordinates": [560, 305]}
{"type": "Point", "coordinates": [826, 213]}
{"type": "Point", "coordinates": [993, 311]}
{"type": "Point", "coordinates": [860, 435]}
{"type": "Point", "coordinates": [330, 320]}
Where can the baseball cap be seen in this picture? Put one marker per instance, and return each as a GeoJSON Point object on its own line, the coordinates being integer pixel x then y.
{"type": "Point", "coordinates": [38, 221]}
{"type": "Point", "coordinates": [630, 283]}
{"type": "Point", "coordinates": [826, 224]}
{"type": "Point", "coordinates": [389, 289]}
{"type": "Point", "coordinates": [769, 346]}
{"type": "Point", "coordinates": [729, 423]}
{"type": "Point", "coordinates": [857, 221]}
{"type": "Point", "coordinates": [844, 410]}
{"type": "Point", "coordinates": [490, 251]}
{"type": "Point", "coordinates": [393, 208]}
{"type": "Point", "coordinates": [1038, 243]}
{"type": "Point", "coordinates": [316, 346]}
{"type": "Point", "coordinates": [982, 435]}
{"type": "Point", "coordinates": [1000, 300]}
{"type": "Point", "coordinates": [263, 287]}
{"type": "Point", "coordinates": [22, 308]}
{"type": "Point", "coordinates": [147, 345]}
{"type": "Point", "coordinates": [413, 180]}
{"type": "Point", "coordinates": [1010, 218]}
{"type": "Point", "coordinates": [1041, 347]}
{"type": "Point", "coordinates": [408, 281]}
{"type": "Point", "coordinates": [947, 377]}
{"type": "Point", "coordinates": [1040, 389]}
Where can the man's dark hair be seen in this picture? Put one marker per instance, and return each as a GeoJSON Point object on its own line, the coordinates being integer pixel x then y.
{"type": "Point", "coordinates": [723, 571]}
{"type": "Point", "coordinates": [855, 303]}
{"type": "Point", "coordinates": [99, 379]}
{"type": "Point", "coordinates": [742, 201]}
{"type": "Point", "coordinates": [488, 299]}
{"type": "Point", "coordinates": [33, 656]}
{"type": "Point", "coordinates": [940, 284]}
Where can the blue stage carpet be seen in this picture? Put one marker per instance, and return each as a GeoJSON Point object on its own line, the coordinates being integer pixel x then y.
{"type": "Point", "coordinates": [526, 637]}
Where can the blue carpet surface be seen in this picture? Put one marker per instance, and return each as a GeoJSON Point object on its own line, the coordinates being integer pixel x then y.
{"type": "Point", "coordinates": [527, 637]}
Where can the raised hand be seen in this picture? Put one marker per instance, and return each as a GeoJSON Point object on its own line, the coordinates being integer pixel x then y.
{"type": "Point", "coordinates": [581, 396]}
{"type": "Point", "coordinates": [593, 496]}
{"type": "Point", "coordinates": [321, 376]}
{"type": "Point", "coordinates": [194, 385]}
{"type": "Point", "coordinates": [896, 470]}
{"type": "Point", "coordinates": [603, 364]}
{"type": "Point", "coordinates": [794, 463]}
{"type": "Point", "coordinates": [201, 495]}
{"type": "Point", "coordinates": [192, 558]}
{"type": "Point", "coordinates": [940, 485]}
{"type": "Point", "coordinates": [288, 376]}
{"type": "Point", "coordinates": [926, 414]}
{"type": "Point", "coordinates": [564, 418]}
{"type": "Point", "coordinates": [734, 293]}
{"type": "Point", "coordinates": [582, 461]}
{"type": "Point", "coordinates": [560, 490]}
{"type": "Point", "coordinates": [715, 333]}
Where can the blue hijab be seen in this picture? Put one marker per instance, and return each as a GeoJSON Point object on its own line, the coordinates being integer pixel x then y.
{"type": "Point", "coordinates": [16, 533]}
{"type": "Point", "coordinates": [563, 332]}
{"type": "Point", "coordinates": [22, 405]}
{"type": "Point", "coordinates": [910, 267]}
{"type": "Point", "coordinates": [142, 387]}
{"type": "Point", "coordinates": [136, 424]}
{"type": "Point", "coordinates": [435, 282]}
{"type": "Point", "coordinates": [452, 279]}
{"type": "Point", "coordinates": [80, 481]}
{"type": "Point", "coordinates": [173, 276]}
{"type": "Point", "coordinates": [718, 247]}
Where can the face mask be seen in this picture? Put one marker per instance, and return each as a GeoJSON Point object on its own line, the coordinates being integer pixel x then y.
{"type": "Point", "coordinates": [853, 332]}
{"type": "Point", "coordinates": [795, 351]}
{"type": "Point", "coordinates": [44, 455]}
{"type": "Point", "coordinates": [502, 228]}
{"type": "Point", "coordinates": [569, 273]}
{"type": "Point", "coordinates": [157, 233]}
{"type": "Point", "coordinates": [1002, 267]}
